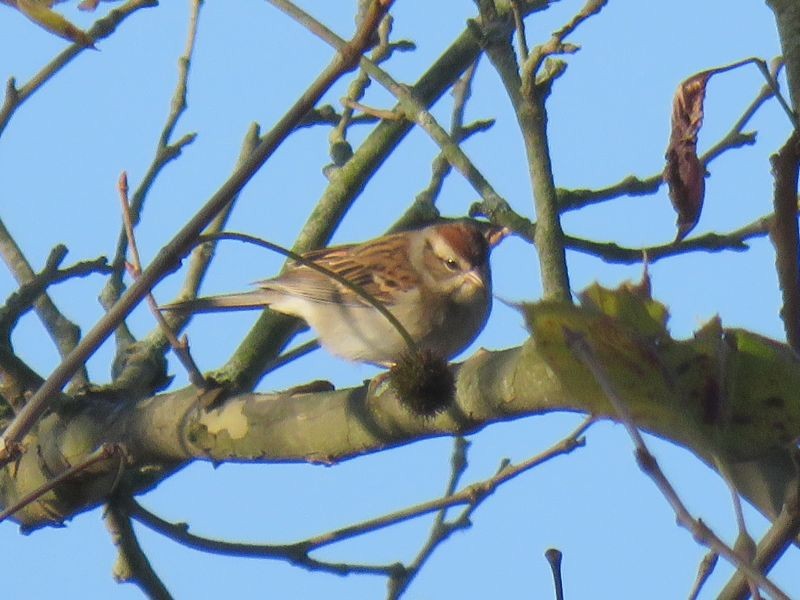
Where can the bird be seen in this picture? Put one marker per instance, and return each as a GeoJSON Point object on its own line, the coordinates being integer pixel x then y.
{"type": "Point", "coordinates": [435, 280]}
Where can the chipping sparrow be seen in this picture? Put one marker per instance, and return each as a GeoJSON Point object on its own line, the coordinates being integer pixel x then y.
{"type": "Point", "coordinates": [435, 280]}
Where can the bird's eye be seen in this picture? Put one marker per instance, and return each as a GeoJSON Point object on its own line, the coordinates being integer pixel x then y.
{"type": "Point", "coordinates": [451, 263]}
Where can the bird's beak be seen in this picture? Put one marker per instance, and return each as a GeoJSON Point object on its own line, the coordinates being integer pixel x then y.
{"type": "Point", "coordinates": [475, 277]}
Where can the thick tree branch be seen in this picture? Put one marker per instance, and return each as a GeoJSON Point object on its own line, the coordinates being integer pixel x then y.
{"type": "Point", "coordinates": [787, 17]}
{"type": "Point", "coordinates": [785, 237]}
{"type": "Point", "coordinates": [164, 432]}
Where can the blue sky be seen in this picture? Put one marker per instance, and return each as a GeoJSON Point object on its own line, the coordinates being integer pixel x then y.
{"type": "Point", "coordinates": [609, 117]}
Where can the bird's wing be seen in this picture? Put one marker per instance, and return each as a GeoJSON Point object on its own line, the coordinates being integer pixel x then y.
{"type": "Point", "coordinates": [379, 267]}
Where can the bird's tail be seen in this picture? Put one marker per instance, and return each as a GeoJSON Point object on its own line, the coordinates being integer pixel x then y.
{"type": "Point", "coordinates": [242, 301]}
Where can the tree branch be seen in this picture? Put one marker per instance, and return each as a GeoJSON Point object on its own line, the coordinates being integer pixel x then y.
{"type": "Point", "coordinates": [102, 28]}
{"type": "Point", "coordinates": [170, 429]}
{"type": "Point", "coordinates": [298, 553]}
{"type": "Point", "coordinates": [785, 237]}
{"type": "Point", "coordinates": [64, 333]}
{"type": "Point", "coordinates": [132, 565]}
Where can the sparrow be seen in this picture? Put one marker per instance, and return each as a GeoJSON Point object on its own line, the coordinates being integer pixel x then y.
{"type": "Point", "coordinates": [436, 281]}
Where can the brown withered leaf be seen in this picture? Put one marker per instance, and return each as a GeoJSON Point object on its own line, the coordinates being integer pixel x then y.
{"type": "Point", "coordinates": [684, 173]}
{"type": "Point", "coordinates": [39, 11]}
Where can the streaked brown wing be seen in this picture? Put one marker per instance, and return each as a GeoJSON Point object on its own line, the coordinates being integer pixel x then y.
{"type": "Point", "coordinates": [379, 267]}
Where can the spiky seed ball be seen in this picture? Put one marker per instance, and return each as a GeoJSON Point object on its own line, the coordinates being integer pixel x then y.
{"type": "Point", "coordinates": [423, 383]}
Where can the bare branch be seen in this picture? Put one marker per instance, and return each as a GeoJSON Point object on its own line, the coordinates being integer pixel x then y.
{"type": "Point", "coordinates": [29, 292]}
{"type": "Point", "coordinates": [785, 236]}
{"type": "Point", "coordinates": [297, 554]}
{"type": "Point", "coordinates": [709, 242]}
{"type": "Point", "coordinates": [423, 208]}
{"type": "Point", "coordinates": [340, 149]}
{"type": "Point", "coordinates": [165, 152]}
{"type": "Point", "coordinates": [554, 556]}
{"type": "Point", "coordinates": [528, 98]}
{"type": "Point", "coordinates": [64, 333]}
{"type": "Point", "coordinates": [180, 347]}
{"type": "Point", "coordinates": [704, 571]}
{"type": "Point", "coordinates": [470, 495]}
{"type": "Point", "coordinates": [440, 530]}
{"type": "Point", "coordinates": [102, 28]}
{"type": "Point", "coordinates": [414, 108]}
{"type": "Point", "coordinates": [519, 24]}
{"type": "Point", "coordinates": [132, 565]}
{"type": "Point", "coordinates": [556, 45]}
{"type": "Point", "coordinates": [781, 536]}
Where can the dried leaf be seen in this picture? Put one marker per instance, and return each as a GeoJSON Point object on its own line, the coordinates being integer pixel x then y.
{"type": "Point", "coordinates": [684, 173]}
{"type": "Point", "coordinates": [40, 13]}
{"type": "Point", "coordinates": [89, 5]}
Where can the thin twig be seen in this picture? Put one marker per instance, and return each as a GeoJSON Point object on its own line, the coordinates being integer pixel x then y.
{"type": "Point", "coordinates": [556, 45]}
{"type": "Point", "coordinates": [647, 463]}
{"type": "Point", "coordinates": [298, 553]}
{"type": "Point", "coordinates": [441, 168]}
{"type": "Point", "coordinates": [327, 115]}
{"type": "Point", "coordinates": [166, 151]}
{"type": "Point", "coordinates": [200, 258]}
{"type": "Point", "coordinates": [496, 207]}
{"type": "Point", "coordinates": [293, 354]}
{"type": "Point", "coordinates": [102, 28]}
{"type": "Point", "coordinates": [440, 530]}
{"type": "Point", "coordinates": [744, 546]}
{"type": "Point", "coordinates": [519, 25]}
{"type": "Point", "coordinates": [470, 494]}
{"type": "Point", "coordinates": [709, 242]}
{"type": "Point", "coordinates": [29, 293]}
{"type": "Point", "coordinates": [704, 571]}
{"type": "Point", "coordinates": [355, 91]}
{"type": "Point", "coordinates": [172, 253]}
{"type": "Point", "coordinates": [780, 537]}
{"type": "Point", "coordinates": [103, 453]}
{"type": "Point", "coordinates": [378, 113]}
{"type": "Point", "coordinates": [554, 557]}
{"type": "Point", "coordinates": [772, 81]}
{"type": "Point", "coordinates": [132, 565]}
{"type": "Point", "coordinates": [180, 347]}
{"type": "Point", "coordinates": [64, 333]}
